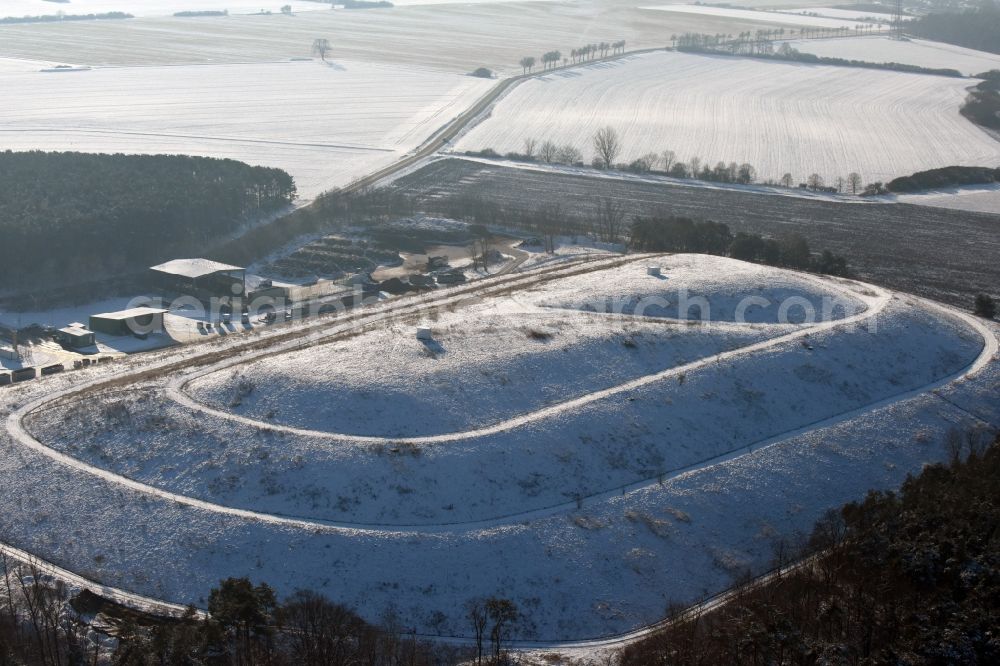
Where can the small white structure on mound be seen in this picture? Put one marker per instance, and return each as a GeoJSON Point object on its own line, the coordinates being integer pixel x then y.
{"type": "Point", "coordinates": [653, 270]}
{"type": "Point", "coordinates": [424, 333]}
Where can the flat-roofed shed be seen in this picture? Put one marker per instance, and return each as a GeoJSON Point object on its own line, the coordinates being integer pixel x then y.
{"type": "Point", "coordinates": [135, 321]}
{"type": "Point", "coordinates": [201, 276]}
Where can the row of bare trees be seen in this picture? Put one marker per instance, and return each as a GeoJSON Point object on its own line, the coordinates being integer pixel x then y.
{"type": "Point", "coordinates": [749, 42]}
{"type": "Point", "coordinates": [599, 50]}
{"type": "Point", "coordinates": [551, 153]}
{"type": "Point", "coordinates": [608, 147]}
{"type": "Point", "coordinates": [552, 59]}
{"type": "Point", "coordinates": [493, 618]}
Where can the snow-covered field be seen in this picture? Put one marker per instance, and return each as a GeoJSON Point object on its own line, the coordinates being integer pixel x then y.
{"type": "Point", "coordinates": [150, 8]}
{"type": "Point", "coordinates": [16, 65]}
{"type": "Point", "coordinates": [780, 117]}
{"type": "Point", "coordinates": [842, 14]}
{"type": "Point", "coordinates": [457, 37]}
{"type": "Point", "coordinates": [782, 17]}
{"type": "Point", "coordinates": [980, 199]}
{"type": "Point", "coordinates": [919, 52]}
{"type": "Point", "coordinates": [20, 8]}
{"type": "Point", "coordinates": [592, 513]}
{"type": "Point", "coordinates": [326, 124]}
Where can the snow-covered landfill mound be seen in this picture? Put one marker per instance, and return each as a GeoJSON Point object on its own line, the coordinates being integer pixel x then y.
{"type": "Point", "coordinates": [583, 444]}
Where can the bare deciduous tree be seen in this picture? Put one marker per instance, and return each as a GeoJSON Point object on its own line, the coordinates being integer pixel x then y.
{"type": "Point", "coordinates": [503, 613]}
{"type": "Point", "coordinates": [530, 146]}
{"type": "Point", "coordinates": [321, 630]}
{"type": "Point", "coordinates": [475, 610]}
{"type": "Point", "coordinates": [787, 180]}
{"type": "Point", "coordinates": [321, 46]}
{"type": "Point", "coordinates": [668, 158]}
{"type": "Point", "coordinates": [746, 174]}
{"type": "Point", "coordinates": [568, 154]}
{"type": "Point", "coordinates": [815, 181]}
{"type": "Point", "coordinates": [548, 151]}
{"type": "Point", "coordinates": [608, 145]}
{"type": "Point", "coordinates": [610, 219]}
{"type": "Point", "coordinates": [854, 181]}
{"type": "Point", "coordinates": [480, 246]}
{"type": "Point", "coordinates": [647, 162]}
{"type": "Point", "coordinates": [550, 220]}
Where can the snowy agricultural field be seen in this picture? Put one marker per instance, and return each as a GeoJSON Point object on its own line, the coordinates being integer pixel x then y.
{"type": "Point", "coordinates": [778, 116]}
{"type": "Point", "coordinates": [980, 199]}
{"type": "Point", "coordinates": [17, 65]}
{"type": "Point", "coordinates": [456, 37]}
{"type": "Point", "coordinates": [592, 515]}
{"type": "Point", "coordinates": [778, 17]}
{"type": "Point", "coordinates": [324, 123]}
{"type": "Point", "coordinates": [854, 15]}
{"type": "Point", "coordinates": [153, 8]}
{"type": "Point", "coordinates": [919, 52]}
{"type": "Point", "coordinates": [18, 8]}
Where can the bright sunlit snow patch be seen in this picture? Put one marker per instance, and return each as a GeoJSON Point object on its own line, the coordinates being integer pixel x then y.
{"type": "Point", "coordinates": [704, 288]}
{"type": "Point", "coordinates": [782, 17]}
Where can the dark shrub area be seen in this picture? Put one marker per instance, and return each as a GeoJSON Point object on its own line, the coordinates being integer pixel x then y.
{"type": "Point", "coordinates": [974, 29]}
{"type": "Point", "coordinates": [900, 578]}
{"type": "Point", "coordinates": [75, 217]}
{"type": "Point", "coordinates": [944, 177]}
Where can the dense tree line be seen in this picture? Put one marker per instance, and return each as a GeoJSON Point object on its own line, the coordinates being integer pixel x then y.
{"type": "Point", "coordinates": [367, 4]}
{"type": "Point", "coordinates": [899, 578]}
{"type": "Point", "coordinates": [42, 623]}
{"type": "Point", "coordinates": [74, 217]}
{"type": "Point", "coordinates": [606, 220]}
{"type": "Point", "coordinates": [786, 52]}
{"type": "Point", "coordinates": [983, 103]}
{"type": "Point", "coordinates": [762, 40]}
{"type": "Point", "coordinates": [200, 13]}
{"type": "Point", "coordinates": [682, 234]}
{"type": "Point", "coordinates": [944, 177]}
{"type": "Point", "coordinates": [975, 28]}
{"type": "Point", "coordinates": [761, 46]}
